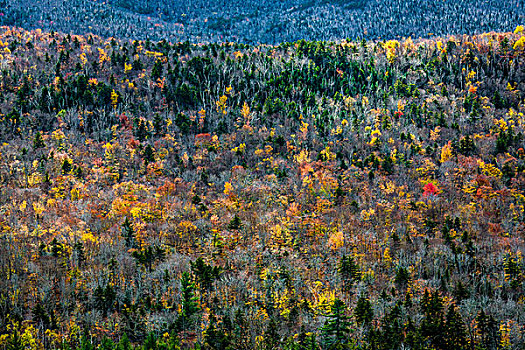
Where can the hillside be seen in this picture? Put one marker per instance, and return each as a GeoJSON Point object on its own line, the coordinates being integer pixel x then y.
{"type": "Point", "coordinates": [269, 22]}
{"type": "Point", "coordinates": [310, 195]}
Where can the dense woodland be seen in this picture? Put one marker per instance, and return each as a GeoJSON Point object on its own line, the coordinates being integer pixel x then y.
{"type": "Point", "coordinates": [267, 22]}
{"type": "Point", "coordinates": [310, 195]}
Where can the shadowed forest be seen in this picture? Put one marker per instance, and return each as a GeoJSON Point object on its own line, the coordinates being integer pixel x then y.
{"type": "Point", "coordinates": [267, 22]}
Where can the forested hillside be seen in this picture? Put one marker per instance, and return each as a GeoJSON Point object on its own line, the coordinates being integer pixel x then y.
{"type": "Point", "coordinates": [311, 195]}
{"type": "Point", "coordinates": [268, 22]}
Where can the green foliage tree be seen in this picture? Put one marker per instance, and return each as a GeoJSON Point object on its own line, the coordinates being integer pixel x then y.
{"type": "Point", "coordinates": [349, 271]}
{"type": "Point", "coordinates": [190, 306]}
{"type": "Point", "coordinates": [205, 274]}
{"type": "Point", "coordinates": [128, 233]}
{"type": "Point", "coordinates": [433, 324]}
{"type": "Point", "coordinates": [363, 311]}
{"type": "Point", "coordinates": [335, 333]}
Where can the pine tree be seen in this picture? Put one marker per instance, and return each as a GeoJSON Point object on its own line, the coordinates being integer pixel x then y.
{"type": "Point", "coordinates": [204, 273]}
{"type": "Point", "coordinates": [66, 166]}
{"type": "Point", "coordinates": [106, 344]}
{"type": "Point", "coordinates": [363, 312]}
{"type": "Point", "coordinates": [215, 338]}
{"type": "Point", "coordinates": [15, 342]}
{"type": "Point", "coordinates": [336, 329]}
{"type": "Point", "coordinates": [432, 326]}
{"type": "Point", "coordinates": [392, 334]}
{"type": "Point", "coordinates": [124, 343]}
{"type": "Point", "coordinates": [272, 339]}
{"type": "Point", "coordinates": [128, 233]}
{"type": "Point", "coordinates": [38, 141]}
{"type": "Point", "coordinates": [455, 332]}
{"type": "Point", "coordinates": [157, 70]}
{"type": "Point", "coordinates": [78, 247]}
{"type": "Point", "coordinates": [235, 223]}
{"type": "Point", "coordinates": [402, 278]}
{"type": "Point", "coordinates": [488, 330]}
{"type": "Point", "coordinates": [190, 305]}
{"type": "Point", "coordinates": [149, 155]}
{"type": "Point", "coordinates": [349, 271]}
{"type": "Point", "coordinates": [151, 342]}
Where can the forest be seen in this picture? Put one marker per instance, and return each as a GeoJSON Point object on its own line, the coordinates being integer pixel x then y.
{"type": "Point", "coordinates": [352, 194]}
{"type": "Point", "coordinates": [264, 22]}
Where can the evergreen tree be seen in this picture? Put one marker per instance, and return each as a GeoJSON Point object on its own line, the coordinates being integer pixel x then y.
{"type": "Point", "coordinates": [149, 155]}
{"type": "Point", "coordinates": [124, 343]}
{"type": "Point", "coordinates": [15, 341]}
{"type": "Point", "coordinates": [78, 248]}
{"type": "Point", "coordinates": [190, 305]}
{"type": "Point", "coordinates": [402, 278]}
{"type": "Point", "coordinates": [363, 312]}
{"type": "Point", "coordinates": [128, 234]}
{"type": "Point", "coordinates": [204, 273]}
{"type": "Point", "coordinates": [488, 330]}
{"type": "Point", "coordinates": [272, 339]}
{"type": "Point", "coordinates": [432, 326]}
{"type": "Point", "coordinates": [215, 338]}
{"type": "Point", "coordinates": [349, 271]}
{"type": "Point", "coordinates": [66, 166]}
{"type": "Point", "coordinates": [336, 330]}
{"type": "Point", "coordinates": [235, 223]}
{"type": "Point", "coordinates": [157, 70]}
{"type": "Point", "coordinates": [38, 141]}
{"type": "Point", "coordinates": [392, 335]}
{"type": "Point", "coordinates": [455, 332]}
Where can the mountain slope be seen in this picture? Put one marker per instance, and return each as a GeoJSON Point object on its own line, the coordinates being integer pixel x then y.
{"type": "Point", "coordinates": [311, 194]}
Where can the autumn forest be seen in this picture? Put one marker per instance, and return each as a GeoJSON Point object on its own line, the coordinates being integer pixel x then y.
{"type": "Point", "coordinates": [308, 195]}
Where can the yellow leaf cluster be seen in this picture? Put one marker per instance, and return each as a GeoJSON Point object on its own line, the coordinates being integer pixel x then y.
{"type": "Point", "coordinates": [336, 240]}
{"type": "Point", "coordinates": [221, 104]}
{"type": "Point", "coordinates": [228, 189]}
{"type": "Point", "coordinates": [302, 157]}
{"type": "Point", "coordinates": [391, 47]}
{"type": "Point", "coordinates": [490, 170]}
{"type": "Point", "coordinates": [327, 154]}
{"type": "Point", "coordinates": [102, 56]}
{"type": "Point", "coordinates": [446, 152]}
{"type": "Point", "coordinates": [83, 59]}
{"type": "Point", "coordinates": [114, 98]}
{"type": "Point", "coordinates": [519, 44]}
{"type": "Point", "coordinates": [153, 53]}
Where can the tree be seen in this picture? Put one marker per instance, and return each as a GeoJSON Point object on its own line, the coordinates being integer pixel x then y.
{"type": "Point", "coordinates": [433, 323]}
{"type": "Point", "coordinates": [204, 273]}
{"type": "Point", "coordinates": [402, 278]}
{"type": "Point", "coordinates": [363, 312]}
{"type": "Point", "coordinates": [455, 332]}
{"type": "Point", "coordinates": [488, 331]}
{"type": "Point", "coordinates": [272, 339]}
{"type": "Point", "coordinates": [190, 305]}
{"type": "Point", "coordinates": [215, 338]}
{"type": "Point", "coordinates": [15, 341]}
{"type": "Point", "coordinates": [349, 271]}
{"type": "Point", "coordinates": [38, 141]}
{"type": "Point", "coordinates": [128, 234]}
{"type": "Point", "coordinates": [157, 70]}
{"type": "Point", "coordinates": [336, 330]}
{"type": "Point", "coordinates": [235, 223]}
{"type": "Point", "coordinates": [147, 256]}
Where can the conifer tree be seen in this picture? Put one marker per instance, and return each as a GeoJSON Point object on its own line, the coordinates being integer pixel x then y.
{"type": "Point", "coordinates": [190, 306]}
{"type": "Point", "coordinates": [455, 332]}
{"type": "Point", "coordinates": [349, 271]}
{"type": "Point", "coordinates": [336, 330]}
{"type": "Point", "coordinates": [128, 234]}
